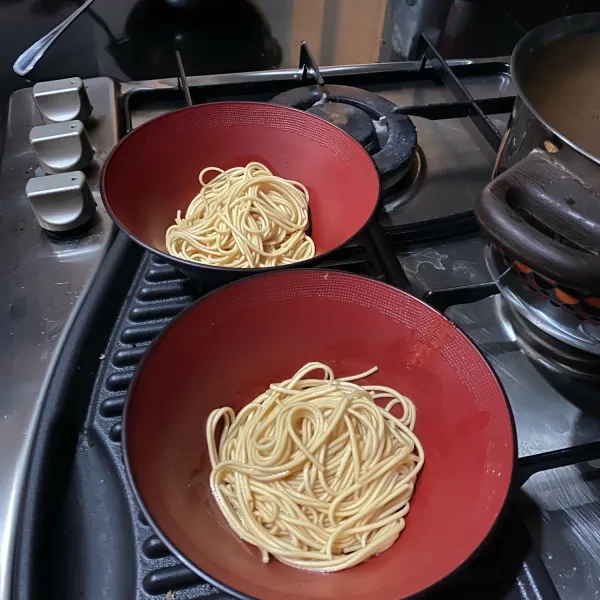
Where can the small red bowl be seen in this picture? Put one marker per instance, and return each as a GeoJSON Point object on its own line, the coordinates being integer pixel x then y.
{"type": "Point", "coordinates": [153, 172]}
{"type": "Point", "coordinates": [230, 345]}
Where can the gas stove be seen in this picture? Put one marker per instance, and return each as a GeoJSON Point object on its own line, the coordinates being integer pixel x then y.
{"type": "Point", "coordinates": [84, 304]}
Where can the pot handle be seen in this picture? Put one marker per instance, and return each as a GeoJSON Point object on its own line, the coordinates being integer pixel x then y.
{"type": "Point", "coordinates": [541, 214]}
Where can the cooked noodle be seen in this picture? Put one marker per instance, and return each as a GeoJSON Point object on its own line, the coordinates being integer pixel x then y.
{"type": "Point", "coordinates": [314, 472]}
{"type": "Point", "coordinates": [244, 217]}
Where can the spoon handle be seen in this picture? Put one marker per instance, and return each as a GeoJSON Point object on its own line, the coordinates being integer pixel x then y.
{"type": "Point", "coordinates": [30, 57]}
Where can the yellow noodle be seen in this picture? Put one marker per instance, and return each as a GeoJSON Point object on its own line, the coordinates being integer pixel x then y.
{"type": "Point", "coordinates": [244, 217]}
{"type": "Point", "coordinates": [314, 472]}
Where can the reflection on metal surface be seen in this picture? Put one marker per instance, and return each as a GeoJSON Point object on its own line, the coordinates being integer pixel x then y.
{"type": "Point", "coordinates": [411, 18]}
{"type": "Point", "coordinates": [42, 281]}
{"type": "Point", "coordinates": [551, 412]}
{"type": "Point", "coordinates": [456, 171]}
{"type": "Point", "coordinates": [566, 502]}
{"type": "Point", "coordinates": [61, 147]}
{"type": "Point", "coordinates": [532, 391]}
{"type": "Point", "coordinates": [551, 353]}
{"type": "Point", "coordinates": [61, 202]}
{"type": "Point", "coordinates": [537, 309]}
{"type": "Point", "coordinates": [479, 87]}
{"type": "Point", "coordinates": [62, 100]}
{"type": "Point", "coordinates": [407, 184]}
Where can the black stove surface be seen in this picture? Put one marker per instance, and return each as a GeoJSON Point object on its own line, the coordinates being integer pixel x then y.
{"type": "Point", "coordinates": [84, 536]}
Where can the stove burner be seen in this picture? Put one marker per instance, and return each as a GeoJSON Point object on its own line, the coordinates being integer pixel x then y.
{"type": "Point", "coordinates": [553, 354]}
{"type": "Point", "coordinates": [554, 321]}
{"type": "Point", "coordinates": [351, 119]}
{"type": "Point", "coordinates": [407, 186]}
{"type": "Point", "coordinates": [395, 133]}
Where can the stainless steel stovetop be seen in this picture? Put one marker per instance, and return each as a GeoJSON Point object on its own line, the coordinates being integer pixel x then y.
{"type": "Point", "coordinates": [45, 279]}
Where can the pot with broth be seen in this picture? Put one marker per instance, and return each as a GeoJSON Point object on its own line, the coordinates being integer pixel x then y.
{"type": "Point", "coordinates": [541, 211]}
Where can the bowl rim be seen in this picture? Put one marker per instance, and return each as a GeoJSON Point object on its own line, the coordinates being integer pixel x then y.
{"type": "Point", "coordinates": [183, 263]}
{"type": "Point", "coordinates": [512, 480]}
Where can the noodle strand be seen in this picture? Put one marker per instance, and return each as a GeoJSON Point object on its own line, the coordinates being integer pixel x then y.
{"type": "Point", "coordinates": [244, 217]}
{"type": "Point", "coordinates": [314, 472]}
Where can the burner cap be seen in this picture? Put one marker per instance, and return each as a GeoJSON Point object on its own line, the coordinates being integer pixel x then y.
{"type": "Point", "coordinates": [351, 119]}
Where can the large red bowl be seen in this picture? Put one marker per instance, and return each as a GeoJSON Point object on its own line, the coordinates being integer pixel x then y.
{"type": "Point", "coordinates": [230, 345]}
{"type": "Point", "coordinates": [153, 172]}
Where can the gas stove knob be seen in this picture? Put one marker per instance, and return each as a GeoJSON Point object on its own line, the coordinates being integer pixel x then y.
{"type": "Point", "coordinates": [62, 100]}
{"type": "Point", "coordinates": [61, 147]}
{"type": "Point", "coordinates": [61, 202]}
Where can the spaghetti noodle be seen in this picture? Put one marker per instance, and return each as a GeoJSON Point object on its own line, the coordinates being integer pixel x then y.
{"type": "Point", "coordinates": [244, 217]}
{"type": "Point", "coordinates": [314, 472]}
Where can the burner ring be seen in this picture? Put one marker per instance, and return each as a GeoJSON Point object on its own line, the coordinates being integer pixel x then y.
{"type": "Point", "coordinates": [394, 157]}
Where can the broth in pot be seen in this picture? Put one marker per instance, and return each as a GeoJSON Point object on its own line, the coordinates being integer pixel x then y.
{"type": "Point", "coordinates": [562, 82]}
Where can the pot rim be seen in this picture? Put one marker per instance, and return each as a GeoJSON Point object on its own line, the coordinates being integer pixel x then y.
{"type": "Point", "coordinates": [546, 34]}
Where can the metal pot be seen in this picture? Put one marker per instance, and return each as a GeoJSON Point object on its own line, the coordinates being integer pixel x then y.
{"type": "Point", "coordinates": [542, 209]}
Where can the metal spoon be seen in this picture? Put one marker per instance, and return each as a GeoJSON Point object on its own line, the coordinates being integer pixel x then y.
{"type": "Point", "coordinates": [29, 58]}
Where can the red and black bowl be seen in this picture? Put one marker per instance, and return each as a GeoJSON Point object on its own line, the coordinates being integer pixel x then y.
{"type": "Point", "coordinates": [229, 346]}
{"type": "Point", "coordinates": [153, 172]}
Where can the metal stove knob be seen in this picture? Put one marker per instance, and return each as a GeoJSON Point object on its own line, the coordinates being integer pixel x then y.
{"type": "Point", "coordinates": [61, 147]}
{"type": "Point", "coordinates": [61, 202]}
{"type": "Point", "coordinates": [62, 100]}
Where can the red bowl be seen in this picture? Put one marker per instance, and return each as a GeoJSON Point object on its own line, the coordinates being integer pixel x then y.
{"type": "Point", "coordinates": [231, 344]}
{"type": "Point", "coordinates": [154, 170]}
